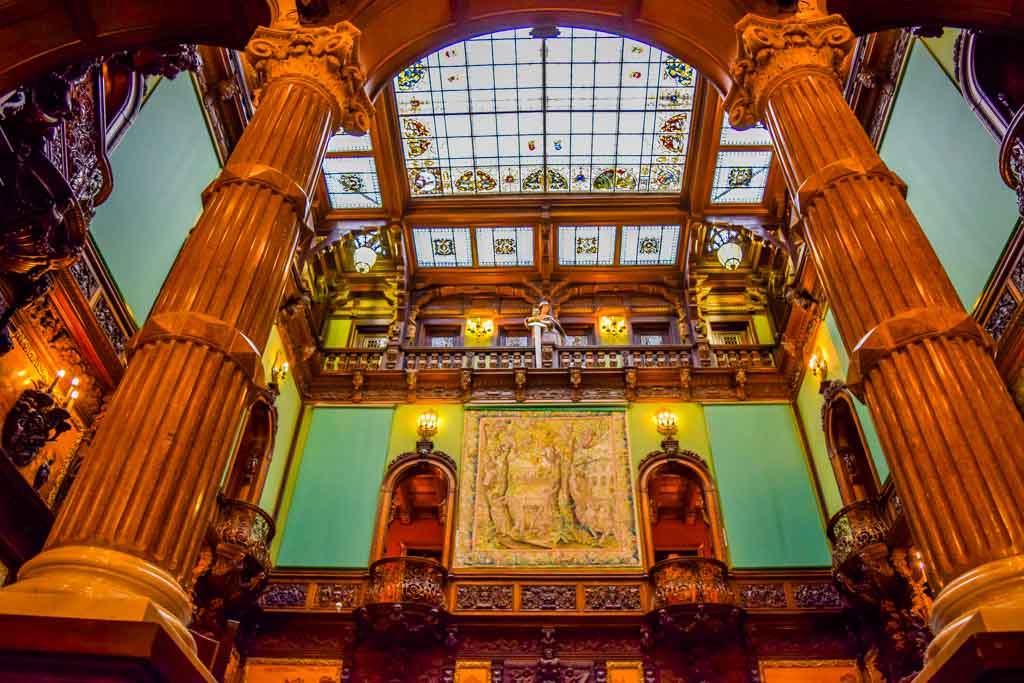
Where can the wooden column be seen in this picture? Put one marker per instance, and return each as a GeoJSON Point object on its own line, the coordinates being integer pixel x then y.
{"type": "Point", "coordinates": [131, 528]}
{"type": "Point", "coordinates": [950, 431]}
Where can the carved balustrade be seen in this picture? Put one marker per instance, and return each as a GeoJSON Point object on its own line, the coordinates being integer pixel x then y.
{"type": "Point", "coordinates": [407, 580]}
{"type": "Point", "coordinates": [855, 528]}
{"type": "Point", "coordinates": [234, 566]}
{"type": "Point", "coordinates": [688, 581]}
{"type": "Point", "coordinates": [338, 361]}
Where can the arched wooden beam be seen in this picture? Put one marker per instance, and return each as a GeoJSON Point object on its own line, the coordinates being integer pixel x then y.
{"type": "Point", "coordinates": [397, 32]}
{"type": "Point", "coordinates": [40, 36]}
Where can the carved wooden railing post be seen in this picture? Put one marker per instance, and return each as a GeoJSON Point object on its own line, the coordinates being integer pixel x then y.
{"type": "Point", "coordinates": [949, 429]}
{"type": "Point", "coordinates": [127, 538]}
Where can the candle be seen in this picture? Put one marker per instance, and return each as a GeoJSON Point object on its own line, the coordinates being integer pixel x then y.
{"type": "Point", "coordinates": [56, 378]}
{"type": "Point", "coordinates": [71, 399]}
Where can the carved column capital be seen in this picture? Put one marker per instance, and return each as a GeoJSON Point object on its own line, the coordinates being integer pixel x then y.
{"type": "Point", "coordinates": [773, 50]}
{"type": "Point", "coordinates": [324, 55]}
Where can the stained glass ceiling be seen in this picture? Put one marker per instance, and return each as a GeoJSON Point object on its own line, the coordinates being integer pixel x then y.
{"type": "Point", "coordinates": [577, 112]}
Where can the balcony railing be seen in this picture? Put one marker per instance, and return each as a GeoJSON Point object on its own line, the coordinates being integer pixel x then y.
{"type": "Point", "coordinates": [395, 580]}
{"type": "Point", "coordinates": [855, 528]}
{"type": "Point", "coordinates": [688, 581]}
{"type": "Point", "coordinates": [344, 360]}
{"type": "Point", "coordinates": [245, 525]}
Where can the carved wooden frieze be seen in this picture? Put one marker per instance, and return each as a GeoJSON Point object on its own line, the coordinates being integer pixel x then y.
{"type": "Point", "coordinates": [484, 597]}
{"type": "Point", "coordinates": [612, 598]}
{"type": "Point", "coordinates": [284, 595]}
{"type": "Point", "coordinates": [338, 595]}
{"type": "Point", "coordinates": [816, 595]}
{"type": "Point", "coordinates": [548, 598]}
{"type": "Point", "coordinates": [763, 596]}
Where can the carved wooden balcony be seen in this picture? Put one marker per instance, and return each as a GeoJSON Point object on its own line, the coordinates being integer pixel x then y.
{"type": "Point", "coordinates": [694, 601]}
{"type": "Point", "coordinates": [854, 530]}
{"type": "Point", "coordinates": [405, 600]}
{"type": "Point", "coordinates": [234, 565]}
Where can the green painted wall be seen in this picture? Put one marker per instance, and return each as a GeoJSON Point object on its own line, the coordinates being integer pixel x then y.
{"type": "Point", "coordinates": [160, 171]}
{"type": "Point", "coordinates": [283, 502]}
{"type": "Point", "coordinates": [449, 429]}
{"type": "Point", "coordinates": [935, 143]}
{"type": "Point", "coordinates": [768, 503]}
{"type": "Point", "coordinates": [942, 50]}
{"type": "Point", "coordinates": [289, 407]}
{"type": "Point", "coordinates": [332, 509]}
{"type": "Point", "coordinates": [644, 436]}
{"type": "Point", "coordinates": [763, 329]}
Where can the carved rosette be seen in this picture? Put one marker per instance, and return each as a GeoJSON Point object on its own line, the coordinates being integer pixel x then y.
{"type": "Point", "coordinates": [773, 50]}
{"type": "Point", "coordinates": [325, 55]}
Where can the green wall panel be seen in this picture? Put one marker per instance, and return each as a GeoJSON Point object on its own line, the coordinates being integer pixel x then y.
{"type": "Point", "coordinates": [935, 143]}
{"type": "Point", "coordinates": [768, 503]}
{"type": "Point", "coordinates": [332, 509]}
{"type": "Point", "coordinates": [644, 436]}
{"type": "Point", "coordinates": [160, 170]}
{"type": "Point", "coordinates": [449, 429]}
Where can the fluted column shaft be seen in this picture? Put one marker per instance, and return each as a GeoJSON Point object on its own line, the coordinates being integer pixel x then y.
{"type": "Point", "coordinates": [142, 503]}
{"type": "Point", "coordinates": [948, 427]}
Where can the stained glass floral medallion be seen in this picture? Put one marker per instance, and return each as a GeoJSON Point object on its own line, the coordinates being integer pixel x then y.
{"type": "Point", "coordinates": [582, 111]}
{"type": "Point", "coordinates": [740, 177]}
{"type": "Point", "coordinates": [649, 245]}
{"type": "Point", "coordinates": [586, 245]}
{"type": "Point", "coordinates": [352, 182]}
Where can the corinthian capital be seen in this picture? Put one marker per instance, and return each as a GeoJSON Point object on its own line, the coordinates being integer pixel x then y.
{"type": "Point", "coordinates": [772, 50]}
{"type": "Point", "coordinates": [326, 55]}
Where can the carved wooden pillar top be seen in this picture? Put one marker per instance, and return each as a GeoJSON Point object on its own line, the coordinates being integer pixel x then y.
{"type": "Point", "coordinates": [948, 428]}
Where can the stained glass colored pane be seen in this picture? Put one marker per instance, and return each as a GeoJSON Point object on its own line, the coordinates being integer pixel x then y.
{"type": "Point", "coordinates": [504, 246]}
{"type": "Point", "coordinates": [442, 247]}
{"type": "Point", "coordinates": [352, 182]}
{"type": "Point", "coordinates": [740, 177]}
{"type": "Point", "coordinates": [649, 245]}
{"type": "Point", "coordinates": [581, 112]}
{"type": "Point", "coordinates": [586, 245]}
{"type": "Point", "coordinates": [752, 137]}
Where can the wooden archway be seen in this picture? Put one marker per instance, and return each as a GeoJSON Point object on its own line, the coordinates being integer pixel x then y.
{"type": "Point", "coordinates": [252, 456]}
{"type": "Point", "coordinates": [424, 460]}
{"type": "Point", "coordinates": [848, 451]}
{"type": "Point", "coordinates": [689, 465]}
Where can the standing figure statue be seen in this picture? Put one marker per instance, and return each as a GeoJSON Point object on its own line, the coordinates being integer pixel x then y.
{"type": "Point", "coordinates": [546, 330]}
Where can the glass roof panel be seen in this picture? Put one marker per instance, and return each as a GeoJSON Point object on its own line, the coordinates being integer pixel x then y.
{"type": "Point", "coordinates": [649, 245]}
{"type": "Point", "coordinates": [504, 246]}
{"type": "Point", "coordinates": [352, 182]}
{"type": "Point", "coordinates": [581, 112]}
{"type": "Point", "coordinates": [442, 247]}
{"type": "Point", "coordinates": [344, 142]}
{"type": "Point", "coordinates": [740, 177]}
{"type": "Point", "coordinates": [752, 137]}
{"type": "Point", "coordinates": [586, 245]}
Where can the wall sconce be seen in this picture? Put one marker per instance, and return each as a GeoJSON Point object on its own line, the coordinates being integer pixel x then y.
{"type": "Point", "coordinates": [479, 327]}
{"type": "Point", "coordinates": [817, 364]}
{"type": "Point", "coordinates": [667, 422]}
{"type": "Point", "coordinates": [426, 425]}
{"type": "Point", "coordinates": [279, 373]}
{"type": "Point", "coordinates": [730, 255]}
{"type": "Point", "coordinates": [613, 325]}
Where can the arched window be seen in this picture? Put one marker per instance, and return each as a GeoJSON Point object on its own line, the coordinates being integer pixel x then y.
{"type": "Point", "coordinates": [679, 507]}
{"type": "Point", "coordinates": [417, 499]}
{"type": "Point", "coordinates": [851, 461]}
{"type": "Point", "coordinates": [252, 457]}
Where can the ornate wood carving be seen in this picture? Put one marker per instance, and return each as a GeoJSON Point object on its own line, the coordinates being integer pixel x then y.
{"type": "Point", "coordinates": [548, 597]}
{"type": "Point", "coordinates": [483, 597]}
{"type": "Point", "coordinates": [34, 420]}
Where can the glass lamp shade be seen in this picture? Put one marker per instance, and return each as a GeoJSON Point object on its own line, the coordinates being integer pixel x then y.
{"type": "Point", "coordinates": [730, 255]}
{"type": "Point", "coordinates": [426, 425]}
{"type": "Point", "coordinates": [666, 421]}
{"type": "Point", "coordinates": [364, 258]}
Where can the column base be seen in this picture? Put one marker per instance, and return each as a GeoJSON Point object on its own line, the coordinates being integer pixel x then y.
{"type": "Point", "coordinates": [47, 637]}
{"type": "Point", "coordinates": [988, 647]}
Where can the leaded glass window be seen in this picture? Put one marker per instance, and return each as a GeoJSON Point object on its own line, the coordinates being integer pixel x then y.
{"type": "Point", "coordinates": [646, 245]}
{"type": "Point", "coordinates": [352, 182]}
{"type": "Point", "coordinates": [504, 246]}
{"type": "Point", "coordinates": [579, 111]}
{"type": "Point", "coordinates": [586, 245]}
{"type": "Point", "coordinates": [741, 170]}
{"type": "Point", "coordinates": [442, 247]}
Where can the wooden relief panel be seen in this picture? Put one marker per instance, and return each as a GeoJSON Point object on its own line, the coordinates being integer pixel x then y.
{"type": "Point", "coordinates": [472, 672]}
{"type": "Point", "coordinates": [260, 670]}
{"type": "Point", "coordinates": [810, 671]}
{"type": "Point", "coordinates": [546, 489]}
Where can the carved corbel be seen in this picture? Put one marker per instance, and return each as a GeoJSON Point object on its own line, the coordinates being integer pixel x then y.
{"type": "Point", "coordinates": [411, 380]}
{"type": "Point", "coordinates": [739, 380]}
{"type": "Point", "coordinates": [575, 379]}
{"type": "Point", "coordinates": [358, 378]}
{"type": "Point", "coordinates": [466, 384]}
{"type": "Point", "coordinates": [685, 385]}
{"type": "Point", "coordinates": [631, 382]}
{"type": "Point", "coordinates": [520, 382]}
